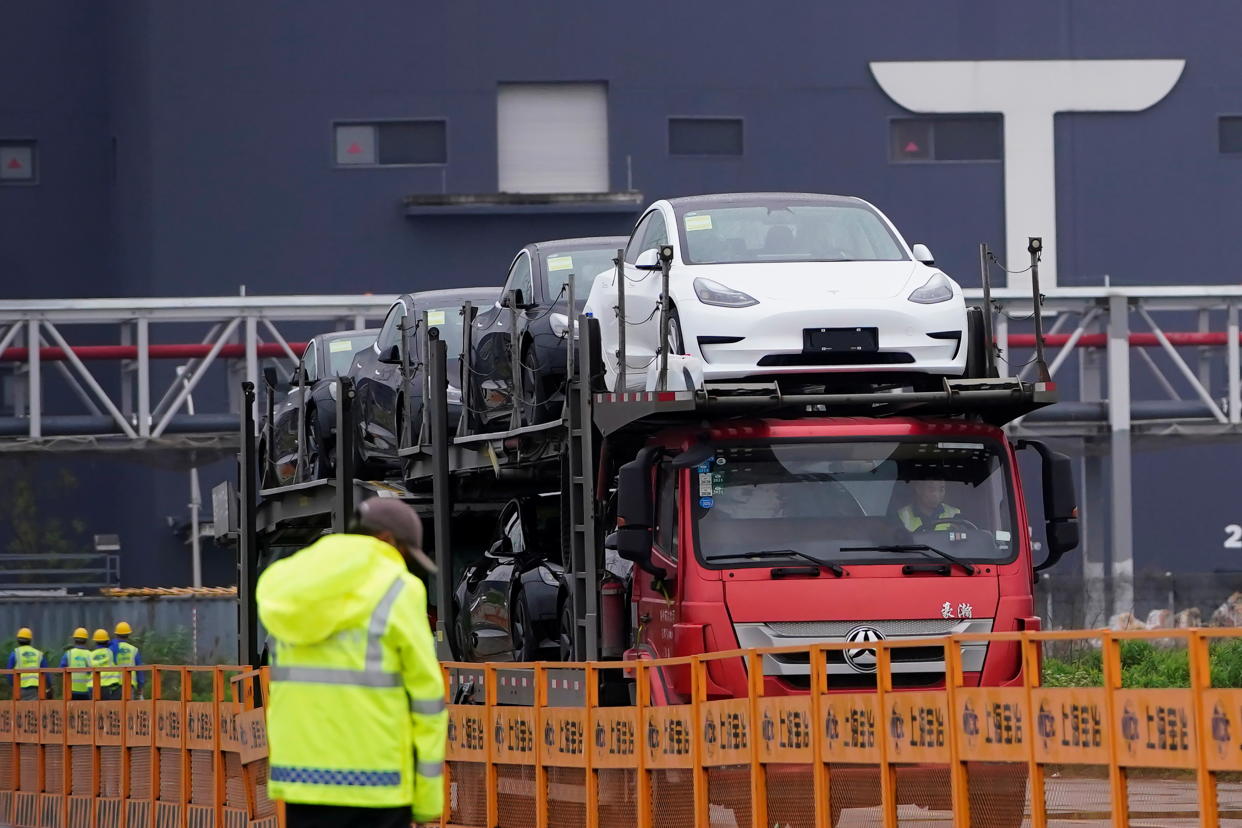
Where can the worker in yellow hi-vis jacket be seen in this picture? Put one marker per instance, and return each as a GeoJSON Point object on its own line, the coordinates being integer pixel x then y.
{"type": "Point", "coordinates": [356, 724]}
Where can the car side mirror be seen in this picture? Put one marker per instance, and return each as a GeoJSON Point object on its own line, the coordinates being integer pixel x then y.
{"type": "Point", "coordinates": [390, 355]}
{"type": "Point", "coordinates": [1060, 503]}
{"type": "Point", "coordinates": [648, 260]}
{"type": "Point", "coordinates": [923, 254]}
{"type": "Point", "coordinates": [502, 548]}
{"type": "Point", "coordinates": [270, 378]}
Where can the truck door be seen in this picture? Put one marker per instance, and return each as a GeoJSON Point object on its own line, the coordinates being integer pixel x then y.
{"type": "Point", "coordinates": [657, 598]}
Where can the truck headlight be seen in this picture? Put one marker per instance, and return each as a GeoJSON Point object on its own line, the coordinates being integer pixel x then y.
{"type": "Point", "coordinates": [711, 292]}
{"type": "Point", "coordinates": [936, 289]}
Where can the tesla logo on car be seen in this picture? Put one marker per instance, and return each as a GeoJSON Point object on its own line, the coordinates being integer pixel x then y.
{"type": "Point", "coordinates": [862, 656]}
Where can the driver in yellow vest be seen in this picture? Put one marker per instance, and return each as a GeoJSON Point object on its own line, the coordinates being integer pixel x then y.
{"type": "Point", "coordinates": [927, 508]}
{"type": "Point", "coordinates": [101, 656]}
{"type": "Point", "coordinates": [25, 655]}
{"type": "Point", "coordinates": [78, 656]}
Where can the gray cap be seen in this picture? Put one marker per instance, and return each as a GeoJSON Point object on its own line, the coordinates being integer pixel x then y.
{"type": "Point", "coordinates": [388, 514]}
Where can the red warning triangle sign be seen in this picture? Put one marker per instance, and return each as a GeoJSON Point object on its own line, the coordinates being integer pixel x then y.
{"type": "Point", "coordinates": [912, 147]}
{"type": "Point", "coordinates": [14, 164]}
{"type": "Point", "coordinates": [354, 149]}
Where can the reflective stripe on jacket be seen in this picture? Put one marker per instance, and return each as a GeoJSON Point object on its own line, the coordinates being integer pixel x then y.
{"type": "Point", "coordinates": [77, 657]}
{"type": "Point", "coordinates": [913, 521]}
{"type": "Point", "coordinates": [356, 715]}
{"type": "Point", "coordinates": [102, 657]}
{"type": "Point", "coordinates": [26, 656]}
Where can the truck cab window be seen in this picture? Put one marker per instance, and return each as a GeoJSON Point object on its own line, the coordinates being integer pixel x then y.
{"type": "Point", "coordinates": [666, 512]}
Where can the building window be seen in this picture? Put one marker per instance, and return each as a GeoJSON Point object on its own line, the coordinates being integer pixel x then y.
{"type": "Point", "coordinates": [1231, 134]}
{"type": "Point", "coordinates": [552, 137]}
{"type": "Point", "coordinates": [705, 136]}
{"type": "Point", "coordinates": [391, 143]}
{"type": "Point", "coordinates": [18, 162]}
{"type": "Point", "coordinates": [955, 138]}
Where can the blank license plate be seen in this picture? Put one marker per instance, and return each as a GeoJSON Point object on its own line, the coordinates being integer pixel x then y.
{"type": "Point", "coordinates": [820, 340]}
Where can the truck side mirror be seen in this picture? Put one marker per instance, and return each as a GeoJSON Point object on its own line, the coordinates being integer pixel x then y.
{"type": "Point", "coordinates": [635, 512]}
{"type": "Point", "coordinates": [1060, 502]}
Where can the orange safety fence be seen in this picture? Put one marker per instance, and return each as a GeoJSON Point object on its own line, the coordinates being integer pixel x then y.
{"type": "Point", "coordinates": [581, 745]}
{"type": "Point", "coordinates": [170, 747]}
{"type": "Point", "coordinates": [536, 745]}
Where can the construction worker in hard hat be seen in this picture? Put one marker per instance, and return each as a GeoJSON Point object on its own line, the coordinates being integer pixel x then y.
{"type": "Point", "coordinates": [101, 657]}
{"type": "Point", "coordinates": [78, 656]}
{"type": "Point", "coordinates": [127, 655]}
{"type": "Point", "coordinates": [356, 721]}
{"type": "Point", "coordinates": [25, 655]}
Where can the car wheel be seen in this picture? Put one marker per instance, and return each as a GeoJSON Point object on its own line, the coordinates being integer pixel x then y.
{"type": "Point", "coordinates": [522, 631]}
{"type": "Point", "coordinates": [676, 344]}
{"type": "Point", "coordinates": [318, 462]}
{"type": "Point", "coordinates": [565, 631]}
{"type": "Point", "coordinates": [534, 401]}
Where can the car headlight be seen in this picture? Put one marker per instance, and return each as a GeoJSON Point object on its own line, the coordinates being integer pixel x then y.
{"type": "Point", "coordinates": [936, 289]}
{"type": "Point", "coordinates": [713, 293]}
{"type": "Point", "coordinates": [332, 389]}
{"type": "Point", "coordinates": [559, 323]}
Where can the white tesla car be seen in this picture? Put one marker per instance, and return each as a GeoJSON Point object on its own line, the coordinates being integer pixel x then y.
{"type": "Point", "coordinates": [766, 284]}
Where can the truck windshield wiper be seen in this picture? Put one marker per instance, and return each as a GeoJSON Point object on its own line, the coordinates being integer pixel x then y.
{"type": "Point", "coordinates": [831, 566]}
{"type": "Point", "coordinates": [913, 547]}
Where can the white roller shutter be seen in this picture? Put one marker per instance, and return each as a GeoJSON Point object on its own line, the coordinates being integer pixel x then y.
{"type": "Point", "coordinates": [553, 137]}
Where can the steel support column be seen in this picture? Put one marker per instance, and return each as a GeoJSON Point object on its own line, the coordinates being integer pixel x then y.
{"type": "Point", "coordinates": [34, 380]}
{"type": "Point", "coordinates": [1120, 454]}
{"type": "Point", "coordinates": [1093, 501]}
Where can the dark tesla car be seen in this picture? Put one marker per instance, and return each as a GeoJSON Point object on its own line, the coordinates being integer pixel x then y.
{"type": "Point", "coordinates": [506, 604]}
{"type": "Point", "coordinates": [388, 412]}
{"type": "Point", "coordinates": [536, 298]}
{"type": "Point", "coordinates": [327, 357]}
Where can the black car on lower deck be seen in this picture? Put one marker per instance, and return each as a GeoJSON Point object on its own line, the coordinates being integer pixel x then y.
{"type": "Point", "coordinates": [388, 409]}
{"type": "Point", "coordinates": [535, 300]}
{"type": "Point", "coordinates": [506, 603]}
{"type": "Point", "coordinates": [312, 387]}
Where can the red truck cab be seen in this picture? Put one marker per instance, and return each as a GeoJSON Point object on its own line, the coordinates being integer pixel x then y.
{"type": "Point", "coordinates": [778, 532]}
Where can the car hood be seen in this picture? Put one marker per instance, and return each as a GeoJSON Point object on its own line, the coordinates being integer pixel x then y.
{"type": "Point", "coordinates": [809, 281]}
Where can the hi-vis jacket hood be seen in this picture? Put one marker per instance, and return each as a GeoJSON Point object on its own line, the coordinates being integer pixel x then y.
{"type": "Point", "coordinates": [328, 586]}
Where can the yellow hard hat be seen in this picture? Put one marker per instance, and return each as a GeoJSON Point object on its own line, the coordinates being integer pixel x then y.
{"type": "Point", "coordinates": [123, 628]}
{"type": "Point", "coordinates": [81, 633]}
{"type": "Point", "coordinates": [101, 636]}
{"type": "Point", "coordinates": [25, 633]}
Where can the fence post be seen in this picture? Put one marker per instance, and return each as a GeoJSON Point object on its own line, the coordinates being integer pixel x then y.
{"type": "Point", "coordinates": [1111, 651]}
{"type": "Point", "coordinates": [642, 782]}
{"type": "Point", "coordinates": [591, 676]}
{"type": "Point", "coordinates": [1031, 666]}
{"type": "Point", "coordinates": [698, 690]}
{"type": "Point", "coordinates": [1200, 680]}
{"type": "Point", "coordinates": [888, 774]}
{"type": "Point", "coordinates": [541, 767]}
{"type": "Point", "coordinates": [489, 699]}
{"type": "Point", "coordinates": [758, 776]}
{"type": "Point", "coordinates": [959, 783]}
{"type": "Point", "coordinates": [820, 780]}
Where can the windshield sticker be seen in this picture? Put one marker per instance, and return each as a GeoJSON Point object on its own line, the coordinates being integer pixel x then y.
{"type": "Point", "coordinates": [706, 502]}
{"type": "Point", "coordinates": [720, 461]}
{"type": "Point", "coordinates": [1002, 536]}
{"type": "Point", "coordinates": [703, 222]}
{"type": "Point", "coordinates": [338, 345]}
{"type": "Point", "coordinates": [704, 467]}
{"type": "Point", "coordinates": [560, 263]}
{"type": "Point", "coordinates": [435, 317]}
{"type": "Point", "coordinates": [967, 446]}
{"type": "Point", "coordinates": [705, 484]}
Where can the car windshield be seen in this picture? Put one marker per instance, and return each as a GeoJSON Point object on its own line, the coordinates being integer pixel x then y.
{"type": "Point", "coordinates": [582, 265]}
{"type": "Point", "coordinates": [847, 501]}
{"type": "Point", "coordinates": [341, 353]}
{"type": "Point", "coordinates": [786, 231]}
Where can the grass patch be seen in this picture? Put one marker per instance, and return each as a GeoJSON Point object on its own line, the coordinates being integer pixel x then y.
{"type": "Point", "coordinates": [1144, 664]}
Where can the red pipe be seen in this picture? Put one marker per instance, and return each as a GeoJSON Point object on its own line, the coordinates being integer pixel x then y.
{"type": "Point", "coordinates": [98, 352]}
{"type": "Point", "coordinates": [1141, 340]}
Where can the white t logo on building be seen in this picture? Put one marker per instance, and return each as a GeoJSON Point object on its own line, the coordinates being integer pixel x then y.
{"type": "Point", "coordinates": [1028, 93]}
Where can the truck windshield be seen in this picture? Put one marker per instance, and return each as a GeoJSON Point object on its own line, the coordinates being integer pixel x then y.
{"type": "Point", "coordinates": [839, 501]}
